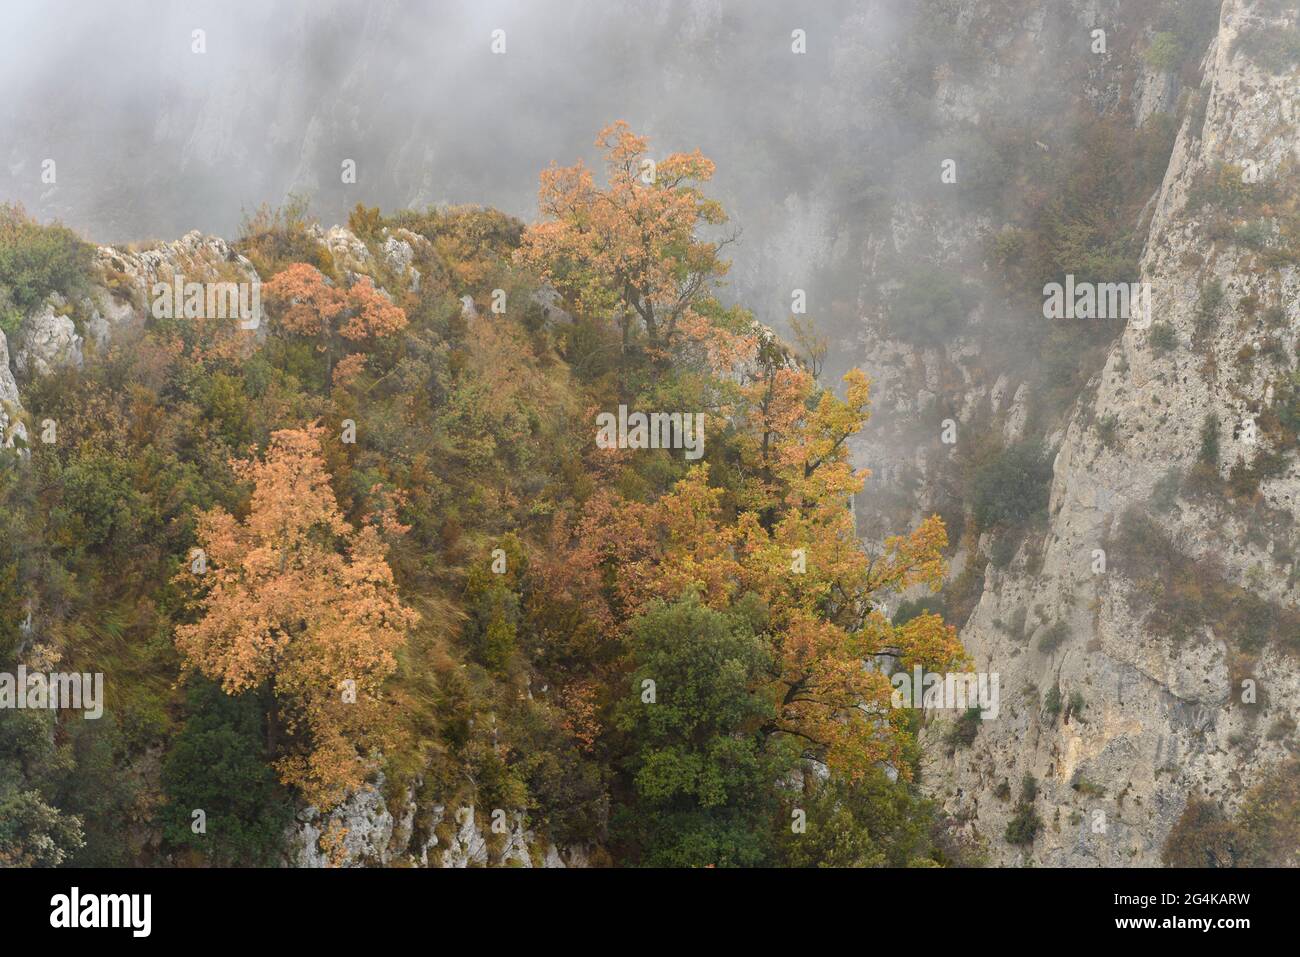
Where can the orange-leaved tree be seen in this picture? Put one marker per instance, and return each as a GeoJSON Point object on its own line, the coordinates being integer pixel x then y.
{"type": "Point", "coordinates": [778, 526]}
{"type": "Point", "coordinates": [769, 516]}
{"type": "Point", "coordinates": [307, 304]}
{"type": "Point", "coordinates": [794, 544]}
{"type": "Point", "coordinates": [632, 249]}
{"type": "Point", "coordinates": [296, 598]}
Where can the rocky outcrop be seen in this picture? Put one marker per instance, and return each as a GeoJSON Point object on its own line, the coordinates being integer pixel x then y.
{"type": "Point", "coordinates": [119, 297]}
{"type": "Point", "coordinates": [126, 277]}
{"type": "Point", "coordinates": [350, 254]}
{"type": "Point", "coordinates": [10, 404]}
{"type": "Point", "coordinates": [362, 832]}
{"type": "Point", "coordinates": [919, 381]}
{"type": "Point", "coordinates": [355, 833]}
{"type": "Point", "coordinates": [399, 253]}
{"type": "Point", "coordinates": [121, 292]}
{"type": "Point", "coordinates": [1157, 92]}
{"type": "Point", "coordinates": [8, 385]}
{"type": "Point", "coordinates": [48, 340]}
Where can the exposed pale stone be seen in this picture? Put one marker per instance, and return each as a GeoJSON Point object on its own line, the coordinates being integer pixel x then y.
{"type": "Point", "coordinates": [47, 340]}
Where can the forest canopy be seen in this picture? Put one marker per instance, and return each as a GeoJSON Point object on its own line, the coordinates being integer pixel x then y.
{"type": "Point", "coordinates": [379, 538]}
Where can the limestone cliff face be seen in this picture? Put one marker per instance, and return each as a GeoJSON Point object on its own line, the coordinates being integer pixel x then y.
{"type": "Point", "coordinates": [1035, 68]}
{"type": "Point", "coordinates": [1162, 718]}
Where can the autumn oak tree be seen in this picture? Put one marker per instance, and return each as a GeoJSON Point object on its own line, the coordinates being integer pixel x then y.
{"type": "Point", "coordinates": [295, 598]}
{"type": "Point", "coordinates": [776, 525]}
{"type": "Point", "coordinates": [630, 250]}
{"type": "Point", "coordinates": [307, 304]}
{"type": "Point", "coordinates": [796, 548]}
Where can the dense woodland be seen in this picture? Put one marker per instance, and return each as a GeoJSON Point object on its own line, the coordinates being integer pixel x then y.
{"type": "Point", "coordinates": [392, 492]}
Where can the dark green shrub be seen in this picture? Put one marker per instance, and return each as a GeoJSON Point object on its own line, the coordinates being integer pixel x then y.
{"type": "Point", "coordinates": [1108, 430]}
{"type": "Point", "coordinates": [218, 764]}
{"type": "Point", "coordinates": [1052, 701]}
{"type": "Point", "coordinates": [1207, 306]}
{"type": "Point", "coordinates": [930, 307]}
{"type": "Point", "coordinates": [1024, 825]}
{"type": "Point", "coordinates": [1076, 705]}
{"type": "Point", "coordinates": [910, 608]}
{"type": "Point", "coordinates": [35, 261]}
{"type": "Point", "coordinates": [1053, 637]}
{"type": "Point", "coordinates": [1012, 487]}
{"type": "Point", "coordinates": [1164, 53]}
{"type": "Point", "coordinates": [1003, 550]}
{"type": "Point", "coordinates": [1209, 453]}
{"type": "Point", "coordinates": [1084, 786]}
{"type": "Point", "coordinates": [964, 729]}
{"type": "Point", "coordinates": [1028, 788]}
{"type": "Point", "coordinates": [1162, 337]}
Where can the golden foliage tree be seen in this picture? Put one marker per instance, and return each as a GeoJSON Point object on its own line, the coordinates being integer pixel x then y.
{"type": "Point", "coordinates": [297, 598]}
{"type": "Point", "coordinates": [306, 304]}
{"type": "Point", "coordinates": [631, 249]}
{"type": "Point", "coordinates": [780, 529]}
{"type": "Point", "coordinates": [796, 547]}
{"type": "Point", "coordinates": [310, 306]}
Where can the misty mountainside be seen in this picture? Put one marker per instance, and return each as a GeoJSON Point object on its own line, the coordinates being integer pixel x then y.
{"type": "Point", "coordinates": [1099, 510]}
{"type": "Point", "coordinates": [415, 99]}
{"type": "Point", "coordinates": [1127, 491]}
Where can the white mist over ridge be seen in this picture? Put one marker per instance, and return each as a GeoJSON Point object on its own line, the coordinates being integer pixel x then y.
{"type": "Point", "coordinates": [152, 139]}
